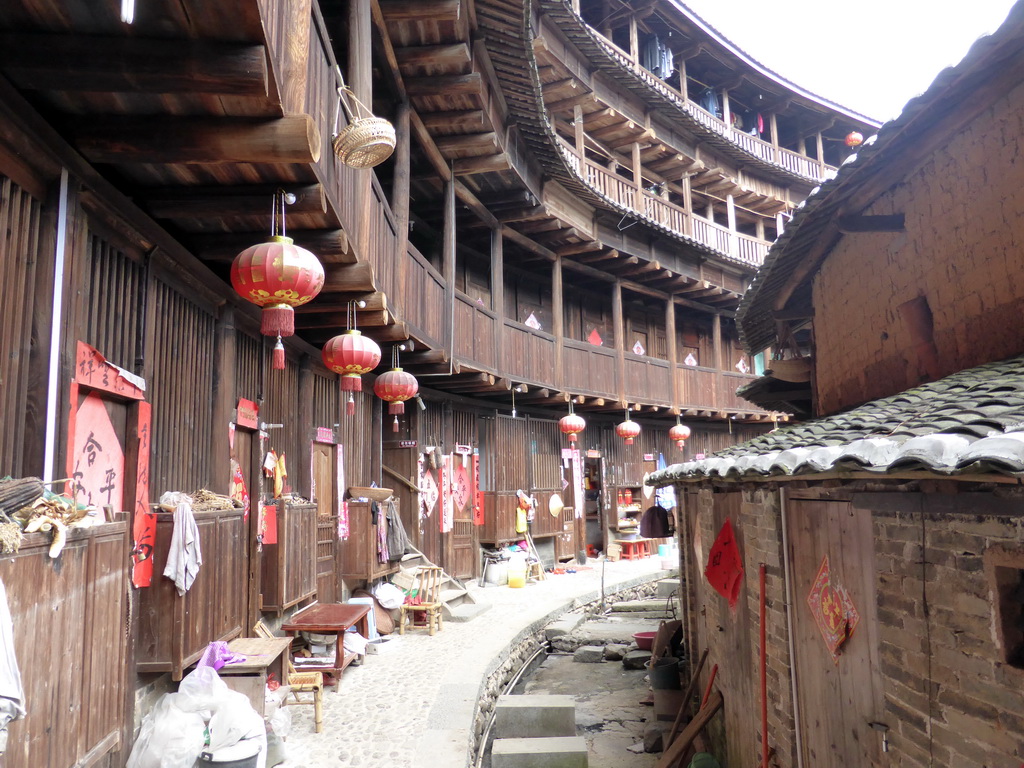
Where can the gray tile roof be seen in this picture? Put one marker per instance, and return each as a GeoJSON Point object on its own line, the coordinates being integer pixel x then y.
{"type": "Point", "coordinates": [969, 422]}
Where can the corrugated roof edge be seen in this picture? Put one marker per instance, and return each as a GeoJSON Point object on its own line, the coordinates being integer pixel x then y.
{"type": "Point", "coordinates": [754, 318]}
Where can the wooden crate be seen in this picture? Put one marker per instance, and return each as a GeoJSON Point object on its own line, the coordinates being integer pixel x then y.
{"type": "Point", "coordinates": [289, 566]}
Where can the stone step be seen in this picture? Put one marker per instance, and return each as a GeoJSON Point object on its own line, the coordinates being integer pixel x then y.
{"type": "Point", "coordinates": [464, 612]}
{"type": "Point", "coordinates": [668, 587]}
{"type": "Point", "coordinates": [534, 716]}
{"type": "Point", "coordinates": [554, 752]}
{"type": "Point", "coordinates": [655, 605]}
{"type": "Point", "coordinates": [563, 626]}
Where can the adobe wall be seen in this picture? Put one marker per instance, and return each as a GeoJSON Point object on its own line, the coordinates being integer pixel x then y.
{"type": "Point", "coordinates": [961, 251]}
{"type": "Point", "coordinates": [950, 698]}
{"type": "Point", "coordinates": [732, 636]}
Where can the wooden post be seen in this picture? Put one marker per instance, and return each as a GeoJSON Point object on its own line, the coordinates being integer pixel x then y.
{"type": "Point", "coordinates": [360, 80]}
{"type": "Point", "coordinates": [448, 265]}
{"type": "Point", "coordinates": [620, 368]}
{"type": "Point", "coordinates": [773, 126]}
{"type": "Point", "coordinates": [638, 179]}
{"type": "Point", "coordinates": [498, 291]}
{"type": "Point", "coordinates": [716, 339]}
{"type": "Point", "coordinates": [576, 7]}
{"type": "Point", "coordinates": [759, 228]}
{"type": "Point", "coordinates": [684, 182]}
{"type": "Point", "coordinates": [634, 41]}
{"type": "Point", "coordinates": [558, 320]}
{"type": "Point", "coordinates": [684, 87]}
{"type": "Point", "coordinates": [296, 56]}
{"type": "Point", "coordinates": [400, 195]}
{"type": "Point", "coordinates": [305, 414]}
{"type": "Point", "coordinates": [726, 109]}
{"type": "Point", "coordinates": [577, 114]}
{"type": "Point", "coordinates": [821, 153]}
{"type": "Point", "coordinates": [673, 352]}
{"type": "Point", "coordinates": [606, 12]}
{"type": "Point", "coordinates": [224, 393]}
{"type": "Point", "coordinates": [730, 212]}
{"type": "Point", "coordinates": [801, 145]}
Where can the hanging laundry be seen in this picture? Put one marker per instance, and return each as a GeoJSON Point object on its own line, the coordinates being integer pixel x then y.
{"type": "Point", "coordinates": [382, 541]}
{"type": "Point", "coordinates": [667, 62]}
{"type": "Point", "coordinates": [185, 555]}
{"type": "Point", "coordinates": [650, 54]}
{"type": "Point", "coordinates": [709, 102]}
{"type": "Point", "coordinates": [12, 693]}
{"type": "Point", "coordinates": [665, 497]}
{"type": "Point", "coordinates": [398, 539]}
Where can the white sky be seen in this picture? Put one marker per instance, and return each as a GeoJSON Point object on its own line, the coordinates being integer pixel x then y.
{"type": "Point", "coordinates": [869, 55]}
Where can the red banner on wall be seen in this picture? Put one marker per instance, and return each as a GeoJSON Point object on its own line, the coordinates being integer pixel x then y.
{"type": "Point", "coordinates": [478, 495]}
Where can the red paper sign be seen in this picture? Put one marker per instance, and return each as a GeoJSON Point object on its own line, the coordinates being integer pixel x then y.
{"type": "Point", "coordinates": [93, 370]}
{"type": "Point", "coordinates": [461, 491]}
{"type": "Point", "coordinates": [97, 458]}
{"type": "Point", "coordinates": [239, 492]}
{"type": "Point", "coordinates": [832, 609]}
{"type": "Point", "coordinates": [724, 571]}
{"type": "Point", "coordinates": [144, 524]}
{"type": "Point", "coordinates": [428, 492]}
{"type": "Point", "coordinates": [446, 518]}
{"type": "Point", "coordinates": [247, 414]}
{"type": "Point", "coordinates": [478, 495]}
{"type": "Point", "coordinates": [270, 524]}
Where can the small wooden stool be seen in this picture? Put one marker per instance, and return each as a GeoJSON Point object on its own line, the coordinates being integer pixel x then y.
{"type": "Point", "coordinates": [535, 571]}
{"type": "Point", "coordinates": [633, 549]}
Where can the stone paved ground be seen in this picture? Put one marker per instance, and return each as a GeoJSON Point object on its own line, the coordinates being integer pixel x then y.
{"type": "Point", "coordinates": [412, 705]}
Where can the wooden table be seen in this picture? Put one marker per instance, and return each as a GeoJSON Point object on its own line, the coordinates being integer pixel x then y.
{"type": "Point", "coordinates": [331, 618]}
{"type": "Point", "coordinates": [264, 657]}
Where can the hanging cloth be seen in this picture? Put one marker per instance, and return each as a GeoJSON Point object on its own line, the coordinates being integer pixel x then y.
{"type": "Point", "coordinates": [654, 523]}
{"type": "Point", "coordinates": [185, 555]}
{"type": "Point", "coordinates": [709, 102]}
{"type": "Point", "coordinates": [664, 497]}
{"type": "Point", "coordinates": [380, 521]}
{"type": "Point", "coordinates": [398, 539]}
{"type": "Point", "coordinates": [650, 54]}
{"type": "Point", "coordinates": [12, 693]}
{"type": "Point", "coordinates": [667, 62]}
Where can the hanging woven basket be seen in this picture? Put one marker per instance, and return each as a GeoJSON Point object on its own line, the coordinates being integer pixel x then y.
{"type": "Point", "coordinates": [367, 140]}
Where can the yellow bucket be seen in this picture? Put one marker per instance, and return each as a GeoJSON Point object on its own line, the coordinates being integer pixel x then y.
{"type": "Point", "coordinates": [517, 571]}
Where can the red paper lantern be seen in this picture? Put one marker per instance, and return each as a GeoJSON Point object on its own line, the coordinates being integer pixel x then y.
{"type": "Point", "coordinates": [854, 139]}
{"type": "Point", "coordinates": [572, 425]}
{"type": "Point", "coordinates": [351, 354]}
{"type": "Point", "coordinates": [396, 386]}
{"type": "Point", "coordinates": [680, 433]}
{"type": "Point", "coordinates": [278, 276]}
{"type": "Point", "coordinates": [627, 430]}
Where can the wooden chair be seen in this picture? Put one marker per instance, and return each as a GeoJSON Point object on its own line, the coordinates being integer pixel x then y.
{"type": "Point", "coordinates": [426, 594]}
{"type": "Point", "coordinates": [300, 682]}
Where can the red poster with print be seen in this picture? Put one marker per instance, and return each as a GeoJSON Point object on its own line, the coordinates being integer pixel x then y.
{"type": "Point", "coordinates": [144, 523]}
{"type": "Point", "coordinates": [724, 571]}
{"type": "Point", "coordinates": [478, 495]}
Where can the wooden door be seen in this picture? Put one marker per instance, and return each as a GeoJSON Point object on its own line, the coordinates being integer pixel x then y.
{"type": "Point", "coordinates": [837, 697]}
{"type": "Point", "coordinates": [464, 557]}
{"type": "Point", "coordinates": [325, 494]}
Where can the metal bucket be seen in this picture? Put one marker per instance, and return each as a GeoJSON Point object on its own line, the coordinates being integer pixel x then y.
{"type": "Point", "coordinates": [665, 674]}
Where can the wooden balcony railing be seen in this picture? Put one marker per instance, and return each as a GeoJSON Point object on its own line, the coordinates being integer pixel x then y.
{"type": "Point", "coordinates": [589, 370]}
{"type": "Point", "coordinates": [625, 192]}
{"type": "Point", "coordinates": [792, 161]}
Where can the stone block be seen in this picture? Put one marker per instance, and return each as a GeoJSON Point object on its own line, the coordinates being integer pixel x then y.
{"type": "Point", "coordinates": [557, 752]}
{"type": "Point", "coordinates": [589, 654]}
{"type": "Point", "coordinates": [563, 626]}
{"type": "Point", "coordinates": [534, 716]}
{"type": "Point", "coordinates": [666, 588]}
{"type": "Point", "coordinates": [636, 659]}
{"type": "Point", "coordinates": [615, 651]}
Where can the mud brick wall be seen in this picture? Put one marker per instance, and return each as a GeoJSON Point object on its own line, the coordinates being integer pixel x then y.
{"type": "Point", "coordinates": [732, 636]}
{"type": "Point", "coordinates": [961, 251]}
{"type": "Point", "coordinates": [951, 699]}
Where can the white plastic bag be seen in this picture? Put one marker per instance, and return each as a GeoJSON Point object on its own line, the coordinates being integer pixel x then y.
{"type": "Point", "coordinates": [233, 720]}
{"type": "Point", "coordinates": [169, 737]}
{"type": "Point", "coordinates": [389, 596]}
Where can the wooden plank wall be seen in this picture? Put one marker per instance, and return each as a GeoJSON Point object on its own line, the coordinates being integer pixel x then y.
{"type": "Point", "coordinates": [69, 617]}
{"type": "Point", "coordinates": [20, 253]}
{"type": "Point", "coordinates": [181, 391]}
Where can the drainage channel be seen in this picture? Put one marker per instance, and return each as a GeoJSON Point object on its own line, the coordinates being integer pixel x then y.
{"type": "Point", "coordinates": [590, 657]}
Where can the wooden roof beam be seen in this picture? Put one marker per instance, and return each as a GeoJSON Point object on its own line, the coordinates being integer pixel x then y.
{"type": "Point", "coordinates": [121, 64]}
{"type": "Point", "coordinates": [421, 10]}
{"type": "Point", "coordinates": [197, 140]}
{"type": "Point", "coordinates": [447, 85]}
{"type": "Point", "coordinates": [465, 120]}
{"type": "Point", "coordinates": [205, 203]}
{"type": "Point", "coordinates": [433, 55]}
{"type": "Point", "coordinates": [467, 142]}
{"type": "Point", "coordinates": [579, 248]}
{"type": "Point", "coordinates": [563, 105]}
{"type": "Point", "coordinates": [375, 301]}
{"type": "Point", "coordinates": [330, 245]}
{"type": "Point", "coordinates": [482, 164]}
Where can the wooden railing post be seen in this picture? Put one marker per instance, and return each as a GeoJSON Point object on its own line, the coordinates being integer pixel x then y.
{"type": "Point", "coordinates": [557, 322]}
{"type": "Point", "coordinates": [400, 203]}
{"type": "Point", "coordinates": [618, 325]}
{"type": "Point", "coordinates": [498, 293]}
{"type": "Point", "coordinates": [360, 80]}
{"type": "Point", "coordinates": [716, 338]}
{"type": "Point", "coordinates": [773, 125]}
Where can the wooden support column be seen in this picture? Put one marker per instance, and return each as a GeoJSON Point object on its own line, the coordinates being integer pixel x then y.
{"type": "Point", "coordinates": [580, 136]}
{"type": "Point", "coordinates": [716, 340]}
{"type": "Point", "coordinates": [684, 182]}
{"type": "Point", "coordinates": [759, 228]}
{"type": "Point", "coordinates": [773, 126]}
{"type": "Point", "coordinates": [576, 6]}
{"type": "Point", "coordinates": [448, 264]}
{"type": "Point", "coordinates": [780, 224]}
{"type": "Point", "coordinates": [617, 323]}
{"type": "Point", "coordinates": [801, 145]}
{"type": "Point", "coordinates": [296, 56]}
{"type": "Point", "coordinates": [558, 320]}
{"type": "Point", "coordinates": [606, 12]}
{"type": "Point", "coordinates": [224, 391]}
{"type": "Point", "coordinates": [360, 80]}
{"type": "Point", "coordinates": [498, 291]}
{"type": "Point", "coordinates": [638, 179]}
{"type": "Point", "coordinates": [726, 109]}
{"type": "Point", "coordinates": [673, 350]}
{"type": "Point", "coordinates": [730, 212]}
{"type": "Point", "coordinates": [400, 193]}
{"type": "Point", "coordinates": [821, 152]}
{"type": "Point", "coordinates": [305, 425]}
{"type": "Point", "coordinates": [634, 40]}
{"type": "Point", "coordinates": [684, 87]}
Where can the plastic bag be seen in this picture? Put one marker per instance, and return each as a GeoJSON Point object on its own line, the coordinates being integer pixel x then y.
{"type": "Point", "coordinates": [200, 689]}
{"type": "Point", "coordinates": [234, 720]}
{"type": "Point", "coordinates": [389, 596]}
{"type": "Point", "coordinates": [169, 737]}
{"type": "Point", "coordinates": [281, 722]}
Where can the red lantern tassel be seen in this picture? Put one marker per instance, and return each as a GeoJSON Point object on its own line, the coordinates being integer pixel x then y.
{"type": "Point", "coordinates": [350, 406]}
{"type": "Point", "coordinates": [394, 426]}
{"type": "Point", "coordinates": [351, 382]}
{"type": "Point", "coordinates": [572, 437]}
{"type": "Point", "coordinates": [397, 407]}
{"type": "Point", "coordinates": [278, 320]}
{"type": "Point", "coordinates": [629, 441]}
{"type": "Point", "coordinates": [278, 364]}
